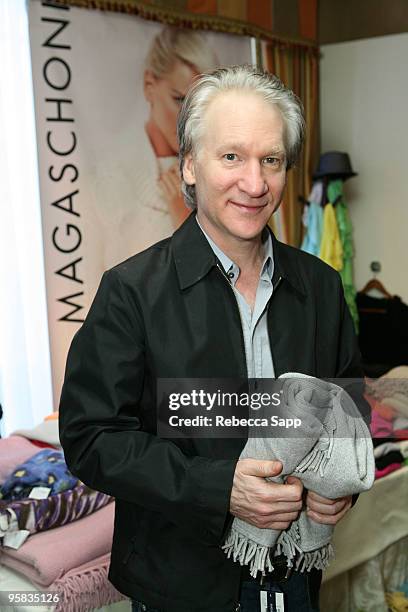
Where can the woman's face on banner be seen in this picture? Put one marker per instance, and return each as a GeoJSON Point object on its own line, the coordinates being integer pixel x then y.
{"type": "Point", "coordinates": [166, 95]}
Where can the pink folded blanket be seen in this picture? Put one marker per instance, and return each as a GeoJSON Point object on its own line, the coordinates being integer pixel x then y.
{"type": "Point", "coordinates": [13, 451]}
{"type": "Point", "coordinates": [49, 555]}
{"type": "Point", "coordinates": [380, 427]}
{"type": "Point", "coordinates": [392, 467]}
{"type": "Point", "coordinates": [86, 587]}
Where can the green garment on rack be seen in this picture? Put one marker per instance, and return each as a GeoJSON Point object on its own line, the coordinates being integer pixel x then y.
{"type": "Point", "coordinates": [335, 196]}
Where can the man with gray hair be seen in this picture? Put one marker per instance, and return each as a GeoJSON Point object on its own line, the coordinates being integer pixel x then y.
{"type": "Point", "coordinates": [221, 298]}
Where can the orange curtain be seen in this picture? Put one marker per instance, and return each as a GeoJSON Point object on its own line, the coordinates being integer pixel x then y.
{"type": "Point", "coordinates": [298, 67]}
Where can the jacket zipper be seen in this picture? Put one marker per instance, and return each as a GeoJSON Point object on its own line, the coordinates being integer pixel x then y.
{"type": "Point", "coordinates": [274, 288]}
{"type": "Point", "coordinates": [130, 551]}
{"type": "Point", "coordinates": [278, 282]}
{"type": "Point", "coordinates": [221, 269]}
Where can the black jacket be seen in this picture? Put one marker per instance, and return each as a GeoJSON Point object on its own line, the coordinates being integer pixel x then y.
{"type": "Point", "coordinates": [383, 335]}
{"type": "Point", "coordinates": [169, 312]}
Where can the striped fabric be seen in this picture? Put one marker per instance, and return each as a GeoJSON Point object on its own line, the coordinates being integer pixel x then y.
{"type": "Point", "coordinates": [36, 515]}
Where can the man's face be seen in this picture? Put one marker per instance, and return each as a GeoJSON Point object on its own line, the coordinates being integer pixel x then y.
{"type": "Point", "coordinates": [239, 168]}
{"type": "Point", "coordinates": [166, 96]}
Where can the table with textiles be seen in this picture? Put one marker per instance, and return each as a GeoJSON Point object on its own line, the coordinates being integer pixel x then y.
{"type": "Point", "coordinates": [370, 571]}
{"type": "Point", "coordinates": [55, 532]}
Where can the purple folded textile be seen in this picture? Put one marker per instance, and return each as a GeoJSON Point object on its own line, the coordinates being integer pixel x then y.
{"type": "Point", "coordinates": [37, 515]}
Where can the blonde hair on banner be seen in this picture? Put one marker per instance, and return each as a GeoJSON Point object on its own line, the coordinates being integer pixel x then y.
{"type": "Point", "coordinates": [172, 44]}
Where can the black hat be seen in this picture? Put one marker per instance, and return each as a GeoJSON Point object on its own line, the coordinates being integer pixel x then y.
{"type": "Point", "coordinates": [334, 165]}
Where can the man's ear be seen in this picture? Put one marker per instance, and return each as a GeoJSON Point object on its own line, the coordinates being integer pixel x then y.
{"type": "Point", "coordinates": [149, 81]}
{"type": "Point", "coordinates": [188, 170]}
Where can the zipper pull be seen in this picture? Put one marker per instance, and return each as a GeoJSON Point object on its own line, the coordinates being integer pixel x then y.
{"type": "Point", "coordinates": [128, 555]}
{"type": "Point", "coordinates": [130, 551]}
{"type": "Point", "coordinates": [278, 282]}
{"type": "Point", "coordinates": [221, 269]}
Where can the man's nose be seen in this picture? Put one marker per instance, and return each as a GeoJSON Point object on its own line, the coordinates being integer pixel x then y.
{"type": "Point", "coordinates": [252, 180]}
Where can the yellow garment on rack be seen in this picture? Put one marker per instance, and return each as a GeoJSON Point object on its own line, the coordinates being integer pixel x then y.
{"type": "Point", "coordinates": [331, 250]}
{"type": "Point", "coordinates": [397, 602]}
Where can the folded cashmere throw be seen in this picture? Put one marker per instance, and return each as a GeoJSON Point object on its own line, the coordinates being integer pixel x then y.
{"type": "Point", "coordinates": [49, 555]}
{"type": "Point", "coordinates": [391, 390]}
{"type": "Point", "coordinates": [393, 467]}
{"type": "Point", "coordinates": [46, 431]}
{"type": "Point", "coordinates": [86, 587]}
{"type": "Point", "coordinates": [332, 455]}
{"type": "Point", "coordinates": [388, 447]}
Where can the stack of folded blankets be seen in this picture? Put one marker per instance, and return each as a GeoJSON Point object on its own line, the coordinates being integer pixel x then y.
{"type": "Point", "coordinates": [54, 530]}
{"type": "Point", "coordinates": [388, 397]}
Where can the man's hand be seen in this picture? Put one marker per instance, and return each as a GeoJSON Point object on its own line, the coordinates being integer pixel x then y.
{"type": "Point", "coordinates": [327, 511]}
{"type": "Point", "coordinates": [266, 505]}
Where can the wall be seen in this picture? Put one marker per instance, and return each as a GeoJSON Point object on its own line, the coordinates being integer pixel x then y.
{"type": "Point", "coordinates": [364, 101]}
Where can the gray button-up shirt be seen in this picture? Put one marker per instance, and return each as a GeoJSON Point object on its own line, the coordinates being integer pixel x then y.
{"type": "Point", "coordinates": [254, 323]}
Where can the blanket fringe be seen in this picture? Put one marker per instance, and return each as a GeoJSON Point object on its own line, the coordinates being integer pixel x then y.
{"type": "Point", "coordinates": [318, 457]}
{"type": "Point", "coordinates": [247, 552]}
{"type": "Point", "coordinates": [318, 559]}
{"type": "Point", "coordinates": [288, 544]}
{"type": "Point", "coordinates": [257, 557]}
{"type": "Point", "coordinates": [85, 591]}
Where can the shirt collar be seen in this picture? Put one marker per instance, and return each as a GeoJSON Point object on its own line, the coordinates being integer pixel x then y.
{"type": "Point", "coordinates": [194, 257]}
{"type": "Point", "coordinates": [228, 264]}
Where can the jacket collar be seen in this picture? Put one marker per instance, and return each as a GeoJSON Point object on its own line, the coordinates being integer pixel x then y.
{"type": "Point", "coordinates": [194, 257]}
{"type": "Point", "coordinates": [286, 260]}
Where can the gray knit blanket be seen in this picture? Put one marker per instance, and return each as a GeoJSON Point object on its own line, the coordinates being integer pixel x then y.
{"type": "Point", "coordinates": [332, 456]}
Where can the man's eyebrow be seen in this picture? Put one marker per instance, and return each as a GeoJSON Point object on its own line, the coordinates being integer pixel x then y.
{"type": "Point", "coordinates": [236, 146]}
{"type": "Point", "coordinates": [239, 146]}
{"type": "Point", "coordinates": [176, 92]}
{"type": "Point", "coordinates": [275, 151]}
